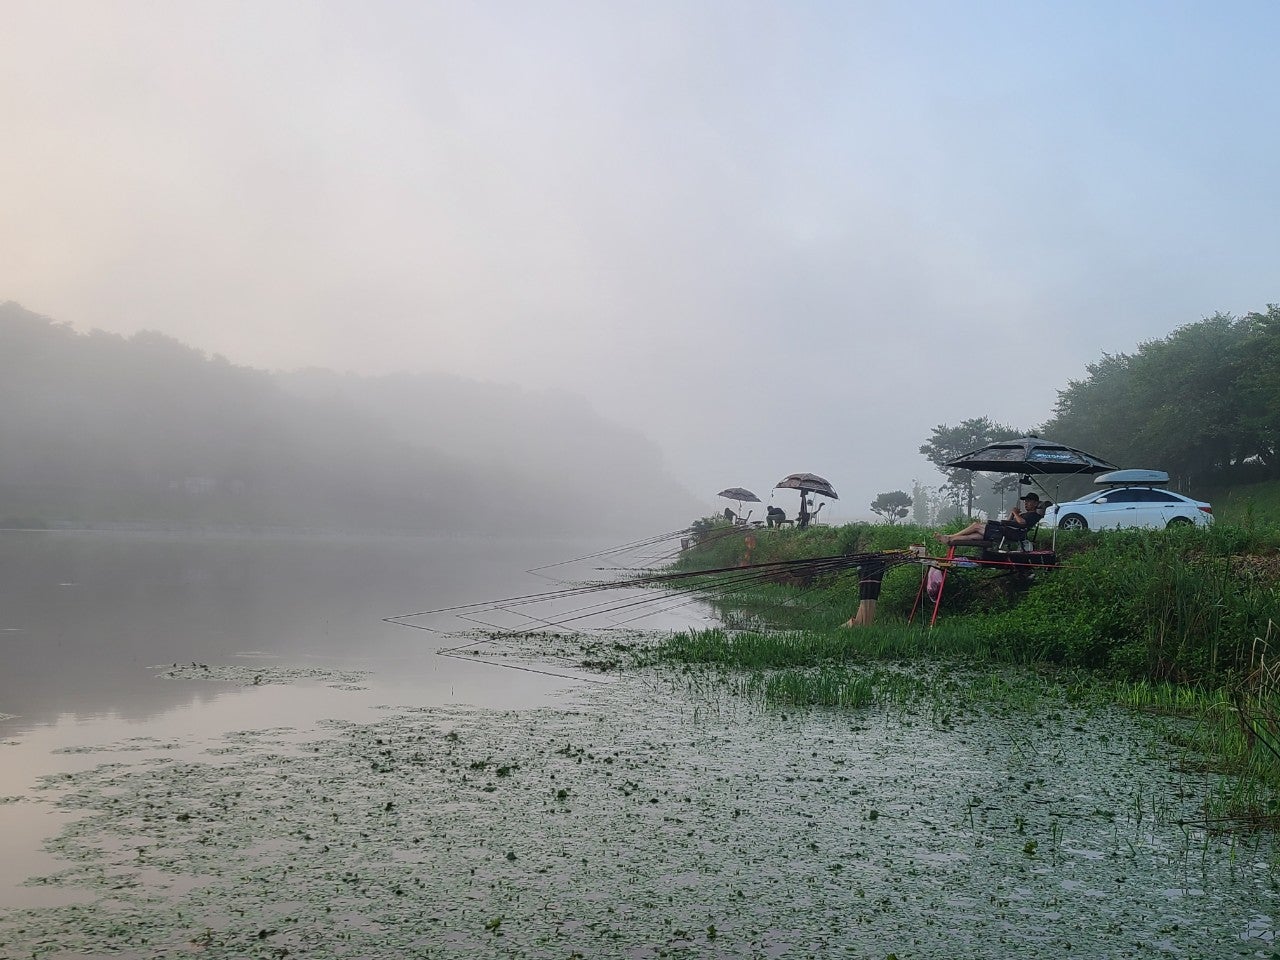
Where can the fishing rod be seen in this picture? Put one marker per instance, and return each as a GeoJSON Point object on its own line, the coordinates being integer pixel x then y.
{"type": "Point", "coordinates": [723, 580]}
{"type": "Point", "coordinates": [743, 578]}
{"type": "Point", "coordinates": [730, 576]}
{"type": "Point", "coordinates": [692, 584]}
{"type": "Point", "coordinates": [633, 545]}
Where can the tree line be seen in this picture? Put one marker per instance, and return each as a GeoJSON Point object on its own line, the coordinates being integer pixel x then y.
{"type": "Point", "coordinates": [1202, 404]}
{"type": "Point", "coordinates": [99, 428]}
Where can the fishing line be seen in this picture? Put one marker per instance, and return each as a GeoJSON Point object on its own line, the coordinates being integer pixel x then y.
{"type": "Point", "coordinates": [601, 607]}
{"type": "Point", "coordinates": [567, 592]}
{"type": "Point", "coordinates": [749, 577]}
{"type": "Point", "coordinates": [479, 604]}
{"type": "Point", "coordinates": [696, 585]}
{"type": "Point", "coordinates": [695, 598]}
{"type": "Point", "coordinates": [515, 666]}
{"type": "Point", "coordinates": [739, 577]}
{"type": "Point", "coordinates": [635, 544]}
{"type": "Point", "coordinates": [736, 586]}
{"type": "Point", "coordinates": [608, 607]}
{"type": "Point", "coordinates": [544, 622]}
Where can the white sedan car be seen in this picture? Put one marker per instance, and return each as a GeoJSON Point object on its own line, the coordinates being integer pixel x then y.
{"type": "Point", "coordinates": [1128, 507]}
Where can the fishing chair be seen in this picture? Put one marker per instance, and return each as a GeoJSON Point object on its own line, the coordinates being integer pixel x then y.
{"type": "Point", "coordinates": [1012, 539]}
{"type": "Point", "coordinates": [1015, 538]}
{"type": "Point", "coordinates": [1016, 552]}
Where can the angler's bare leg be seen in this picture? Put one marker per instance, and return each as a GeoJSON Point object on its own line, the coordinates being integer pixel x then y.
{"type": "Point", "coordinates": [869, 582]}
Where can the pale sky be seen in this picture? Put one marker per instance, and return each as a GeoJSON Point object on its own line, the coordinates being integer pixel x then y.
{"type": "Point", "coordinates": [775, 237]}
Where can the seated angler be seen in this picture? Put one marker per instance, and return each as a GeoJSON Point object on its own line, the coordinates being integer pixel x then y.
{"type": "Point", "coordinates": [1021, 519]}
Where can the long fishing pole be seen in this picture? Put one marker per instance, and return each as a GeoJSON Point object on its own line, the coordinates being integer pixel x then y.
{"type": "Point", "coordinates": [744, 576]}
{"type": "Point", "coordinates": [838, 562]}
{"type": "Point", "coordinates": [634, 545]}
{"type": "Point", "coordinates": [731, 578]}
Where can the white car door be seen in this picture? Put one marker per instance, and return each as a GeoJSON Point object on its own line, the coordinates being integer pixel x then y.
{"type": "Point", "coordinates": [1115, 508]}
{"type": "Point", "coordinates": [1167, 506]}
{"type": "Point", "coordinates": [1152, 509]}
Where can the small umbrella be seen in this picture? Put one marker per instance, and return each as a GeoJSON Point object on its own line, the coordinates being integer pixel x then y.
{"type": "Point", "coordinates": [741, 494]}
{"type": "Point", "coordinates": [807, 483]}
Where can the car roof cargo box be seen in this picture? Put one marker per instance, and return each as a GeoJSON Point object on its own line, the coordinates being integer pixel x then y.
{"type": "Point", "coordinates": [1132, 478]}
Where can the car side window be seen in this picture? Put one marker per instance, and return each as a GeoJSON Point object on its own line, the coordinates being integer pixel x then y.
{"type": "Point", "coordinates": [1159, 496]}
{"type": "Point", "coordinates": [1124, 496]}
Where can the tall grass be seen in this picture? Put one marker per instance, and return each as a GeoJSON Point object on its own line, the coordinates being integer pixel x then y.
{"type": "Point", "coordinates": [1252, 506]}
{"type": "Point", "coordinates": [1179, 622]}
{"type": "Point", "coordinates": [1182, 604]}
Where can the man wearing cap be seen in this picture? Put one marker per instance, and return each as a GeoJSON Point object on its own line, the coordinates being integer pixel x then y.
{"type": "Point", "coordinates": [1021, 519]}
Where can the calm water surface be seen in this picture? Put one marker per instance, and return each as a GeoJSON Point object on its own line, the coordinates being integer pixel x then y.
{"type": "Point", "coordinates": [86, 618]}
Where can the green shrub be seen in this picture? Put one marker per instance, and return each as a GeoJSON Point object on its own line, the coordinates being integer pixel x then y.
{"type": "Point", "coordinates": [1181, 604]}
{"type": "Point", "coordinates": [1176, 604]}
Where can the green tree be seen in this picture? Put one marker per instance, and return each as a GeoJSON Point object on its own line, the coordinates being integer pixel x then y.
{"type": "Point", "coordinates": [1188, 398]}
{"type": "Point", "coordinates": [1180, 403]}
{"type": "Point", "coordinates": [1095, 413]}
{"type": "Point", "coordinates": [1259, 389]}
{"type": "Point", "coordinates": [921, 505]}
{"type": "Point", "coordinates": [946, 443]}
{"type": "Point", "coordinates": [893, 506]}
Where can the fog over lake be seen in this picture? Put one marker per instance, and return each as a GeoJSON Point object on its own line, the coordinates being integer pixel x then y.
{"type": "Point", "coordinates": [87, 614]}
{"type": "Point", "coordinates": [92, 624]}
{"type": "Point", "coordinates": [771, 238]}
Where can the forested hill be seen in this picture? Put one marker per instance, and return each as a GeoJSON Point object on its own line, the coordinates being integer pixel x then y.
{"type": "Point", "coordinates": [97, 428]}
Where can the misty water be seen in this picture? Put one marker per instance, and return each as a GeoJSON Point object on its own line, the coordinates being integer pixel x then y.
{"type": "Point", "coordinates": [217, 746]}
{"type": "Point", "coordinates": [107, 636]}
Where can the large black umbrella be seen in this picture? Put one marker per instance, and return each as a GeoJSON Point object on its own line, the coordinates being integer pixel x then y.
{"type": "Point", "coordinates": [1030, 455]}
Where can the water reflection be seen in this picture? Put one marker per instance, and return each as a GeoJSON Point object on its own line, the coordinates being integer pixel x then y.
{"type": "Point", "coordinates": [84, 616]}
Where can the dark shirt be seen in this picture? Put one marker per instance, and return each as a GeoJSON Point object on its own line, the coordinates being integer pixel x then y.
{"type": "Point", "coordinates": [1017, 524]}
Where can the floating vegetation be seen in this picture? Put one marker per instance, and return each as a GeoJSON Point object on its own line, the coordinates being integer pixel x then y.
{"type": "Point", "coordinates": [132, 745]}
{"type": "Point", "coordinates": [641, 821]}
{"type": "Point", "coordinates": [261, 676]}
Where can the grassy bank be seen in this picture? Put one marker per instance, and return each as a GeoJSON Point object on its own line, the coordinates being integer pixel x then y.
{"type": "Point", "coordinates": [1180, 622]}
{"type": "Point", "coordinates": [1184, 605]}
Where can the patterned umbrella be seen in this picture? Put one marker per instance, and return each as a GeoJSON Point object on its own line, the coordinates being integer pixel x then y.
{"type": "Point", "coordinates": [1030, 455]}
{"type": "Point", "coordinates": [809, 483]}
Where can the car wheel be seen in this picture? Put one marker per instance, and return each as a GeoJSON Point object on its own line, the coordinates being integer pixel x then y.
{"type": "Point", "coordinates": [1179, 522]}
{"type": "Point", "coordinates": [1073, 521]}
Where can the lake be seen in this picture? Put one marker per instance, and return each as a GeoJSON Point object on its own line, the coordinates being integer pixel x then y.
{"type": "Point", "coordinates": [217, 746]}
{"type": "Point", "coordinates": [86, 618]}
